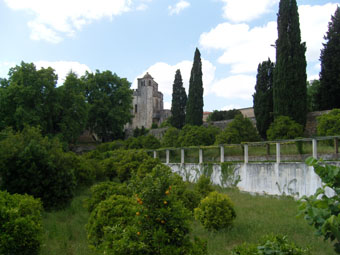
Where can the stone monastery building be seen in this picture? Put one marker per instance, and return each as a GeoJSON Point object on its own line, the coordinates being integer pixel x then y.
{"type": "Point", "coordinates": [147, 104]}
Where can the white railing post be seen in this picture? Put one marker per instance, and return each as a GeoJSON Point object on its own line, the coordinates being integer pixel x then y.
{"type": "Point", "coordinates": [154, 154]}
{"type": "Point", "coordinates": [246, 159]}
{"type": "Point", "coordinates": [315, 148]}
{"type": "Point", "coordinates": [200, 156]}
{"type": "Point", "coordinates": [278, 153]}
{"type": "Point", "coordinates": [167, 156]}
{"type": "Point", "coordinates": [222, 153]}
{"type": "Point", "coordinates": [182, 156]}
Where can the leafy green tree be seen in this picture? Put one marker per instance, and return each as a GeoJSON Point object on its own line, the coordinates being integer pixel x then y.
{"type": "Point", "coordinates": [35, 165]}
{"type": "Point", "coordinates": [195, 136]}
{"type": "Point", "coordinates": [241, 129]}
{"type": "Point", "coordinates": [179, 101]}
{"type": "Point", "coordinates": [110, 101]}
{"type": "Point", "coordinates": [170, 138]}
{"type": "Point", "coordinates": [313, 88]}
{"type": "Point", "coordinates": [223, 115]}
{"type": "Point", "coordinates": [289, 87]}
{"type": "Point", "coordinates": [29, 98]}
{"type": "Point", "coordinates": [263, 97]}
{"type": "Point", "coordinates": [72, 116]}
{"type": "Point", "coordinates": [329, 124]}
{"type": "Point", "coordinates": [330, 66]}
{"type": "Point", "coordinates": [194, 107]}
{"type": "Point", "coordinates": [284, 127]}
{"type": "Point", "coordinates": [321, 210]}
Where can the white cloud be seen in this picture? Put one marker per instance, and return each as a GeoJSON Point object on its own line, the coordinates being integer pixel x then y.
{"type": "Point", "coordinates": [164, 75]}
{"type": "Point", "coordinates": [235, 87]}
{"type": "Point", "coordinates": [246, 10]}
{"type": "Point", "coordinates": [167, 105]}
{"type": "Point", "coordinates": [314, 25]}
{"type": "Point", "coordinates": [180, 6]}
{"type": "Point", "coordinates": [231, 107]}
{"type": "Point", "coordinates": [55, 19]}
{"type": "Point", "coordinates": [4, 68]}
{"type": "Point", "coordinates": [244, 48]}
{"type": "Point", "coordinates": [62, 68]}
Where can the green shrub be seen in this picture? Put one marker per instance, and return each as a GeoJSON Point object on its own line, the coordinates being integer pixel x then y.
{"type": "Point", "coordinates": [216, 211]}
{"type": "Point", "coordinates": [123, 163]}
{"type": "Point", "coordinates": [104, 190]}
{"type": "Point", "coordinates": [275, 245]}
{"type": "Point", "coordinates": [163, 222]}
{"type": "Point", "coordinates": [204, 186]}
{"type": "Point", "coordinates": [322, 210]}
{"type": "Point", "coordinates": [20, 224]}
{"type": "Point", "coordinates": [35, 165]}
{"type": "Point", "coordinates": [170, 138]}
{"type": "Point", "coordinates": [240, 130]}
{"type": "Point", "coordinates": [284, 127]}
{"type": "Point", "coordinates": [146, 166]}
{"type": "Point", "coordinates": [111, 146]}
{"type": "Point", "coordinates": [329, 124]}
{"type": "Point", "coordinates": [223, 115]}
{"type": "Point", "coordinates": [117, 210]}
{"type": "Point", "coordinates": [197, 135]}
{"type": "Point", "coordinates": [150, 142]}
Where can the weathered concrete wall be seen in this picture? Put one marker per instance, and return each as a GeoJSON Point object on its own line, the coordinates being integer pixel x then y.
{"type": "Point", "coordinates": [295, 179]}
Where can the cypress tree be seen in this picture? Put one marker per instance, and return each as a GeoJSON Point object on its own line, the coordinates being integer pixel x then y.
{"type": "Point", "coordinates": [289, 87]}
{"type": "Point", "coordinates": [179, 101]}
{"type": "Point", "coordinates": [329, 91]}
{"type": "Point", "coordinates": [263, 97]}
{"type": "Point", "coordinates": [194, 108]}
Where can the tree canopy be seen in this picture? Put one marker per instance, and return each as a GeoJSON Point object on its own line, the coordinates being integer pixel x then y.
{"type": "Point", "coordinates": [263, 97]}
{"type": "Point", "coordinates": [194, 108]}
{"type": "Point", "coordinates": [289, 87]}
{"type": "Point", "coordinates": [329, 91]}
{"type": "Point", "coordinates": [179, 101]}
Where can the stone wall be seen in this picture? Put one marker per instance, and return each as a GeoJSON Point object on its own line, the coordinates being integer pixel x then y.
{"type": "Point", "coordinates": [311, 124]}
{"type": "Point", "coordinates": [294, 179]}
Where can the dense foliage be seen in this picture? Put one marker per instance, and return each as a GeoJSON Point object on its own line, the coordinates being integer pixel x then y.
{"type": "Point", "coordinates": [289, 86]}
{"type": "Point", "coordinates": [170, 137]}
{"type": "Point", "coordinates": [179, 101]}
{"type": "Point", "coordinates": [194, 107]}
{"type": "Point", "coordinates": [263, 97]}
{"type": "Point", "coordinates": [223, 115]}
{"type": "Point", "coordinates": [110, 101]}
{"type": "Point", "coordinates": [329, 91]}
{"type": "Point", "coordinates": [313, 88]}
{"type": "Point", "coordinates": [20, 224]}
{"type": "Point", "coordinates": [216, 211]}
{"type": "Point", "coordinates": [241, 129]}
{"type": "Point", "coordinates": [329, 124]}
{"type": "Point", "coordinates": [322, 210]}
{"type": "Point", "coordinates": [194, 135]}
{"type": "Point", "coordinates": [278, 245]}
{"type": "Point", "coordinates": [284, 127]}
{"type": "Point", "coordinates": [35, 165]}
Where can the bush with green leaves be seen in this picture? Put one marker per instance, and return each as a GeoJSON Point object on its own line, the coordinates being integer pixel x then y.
{"type": "Point", "coordinates": [284, 127]}
{"type": "Point", "coordinates": [197, 135]}
{"type": "Point", "coordinates": [170, 138]}
{"type": "Point", "coordinates": [216, 211]}
{"type": "Point", "coordinates": [240, 130]}
{"type": "Point", "coordinates": [35, 165]}
{"type": "Point", "coordinates": [122, 164]}
{"type": "Point", "coordinates": [103, 191]}
{"type": "Point", "coordinates": [322, 210]}
{"type": "Point", "coordinates": [270, 245]}
{"type": "Point", "coordinates": [161, 224]}
{"type": "Point", "coordinates": [223, 115]}
{"type": "Point", "coordinates": [204, 186]}
{"type": "Point", "coordinates": [329, 124]}
{"type": "Point", "coordinates": [117, 210]}
{"type": "Point", "coordinates": [20, 224]}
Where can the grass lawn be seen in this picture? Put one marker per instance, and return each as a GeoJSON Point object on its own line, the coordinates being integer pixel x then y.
{"type": "Point", "coordinates": [256, 216]}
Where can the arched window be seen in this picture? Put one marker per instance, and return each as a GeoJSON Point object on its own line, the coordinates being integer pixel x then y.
{"type": "Point", "coordinates": [149, 83]}
{"type": "Point", "coordinates": [135, 108]}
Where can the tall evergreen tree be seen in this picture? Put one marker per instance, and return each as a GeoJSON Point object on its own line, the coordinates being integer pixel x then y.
{"type": "Point", "coordinates": [329, 92]}
{"type": "Point", "coordinates": [289, 87]}
{"type": "Point", "coordinates": [263, 97]}
{"type": "Point", "coordinates": [179, 101]}
{"type": "Point", "coordinates": [194, 108]}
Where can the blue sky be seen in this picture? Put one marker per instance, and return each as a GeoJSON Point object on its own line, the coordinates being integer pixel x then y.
{"type": "Point", "coordinates": [130, 37]}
